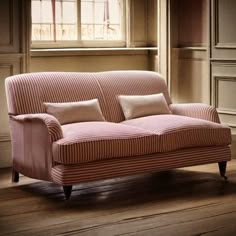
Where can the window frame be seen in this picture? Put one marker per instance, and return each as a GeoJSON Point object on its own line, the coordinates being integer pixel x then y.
{"type": "Point", "coordinates": [42, 44]}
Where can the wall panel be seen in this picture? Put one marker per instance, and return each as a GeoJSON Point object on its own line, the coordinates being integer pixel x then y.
{"type": "Point", "coordinates": [9, 25]}
{"type": "Point", "coordinates": [190, 81]}
{"type": "Point", "coordinates": [223, 90]}
{"type": "Point", "coordinates": [192, 18]}
{"type": "Point", "coordinates": [138, 28]}
{"type": "Point", "coordinates": [223, 29]}
{"type": "Point", "coordinates": [92, 62]}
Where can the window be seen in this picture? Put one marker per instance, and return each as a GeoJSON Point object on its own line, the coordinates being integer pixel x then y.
{"type": "Point", "coordinates": [77, 23]}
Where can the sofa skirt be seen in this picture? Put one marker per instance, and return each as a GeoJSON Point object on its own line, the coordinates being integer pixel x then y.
{"type": "Point", "coordinates": [120, 167]}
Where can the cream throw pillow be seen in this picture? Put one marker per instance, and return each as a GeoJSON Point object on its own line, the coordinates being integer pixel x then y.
{"type": "Point", "coordinates": [72, 112]}
{"type": "Point", "coordinates": [145, 105]}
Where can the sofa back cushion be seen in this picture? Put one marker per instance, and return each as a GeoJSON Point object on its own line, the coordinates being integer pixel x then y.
{"type": "Point", "coordinates": [115, 83]}
{"type": "Point", "coordinates": [27, 93]}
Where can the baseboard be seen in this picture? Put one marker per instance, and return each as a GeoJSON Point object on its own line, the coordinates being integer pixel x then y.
{"type": "Point", "coordinates": [5, 153]}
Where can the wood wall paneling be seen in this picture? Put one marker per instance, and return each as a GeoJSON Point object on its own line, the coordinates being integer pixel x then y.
{"type": "Point", "coordinates": [225, 85]}
{"type": "Point", "coordinates": [13, 54]}
{"type": "Point", "coordinates": [152, 23]}
{"type": "Point", "coordinates": [192, 22]}
{"type": "Point", "coordinates": [138, 29]}
{"type": "Point", "coordinates": [223, 62]}
{"type": "Point", "coordinates": [190, 74]}
{"type": "Point", "coordinates": [9, 25]}
{"type": "Point", "coordinates": [189, 70]}
{"type": "Point", "coordinates": [90, 63]}
{"type": "Point", "coordinates": [223, 29]}
{"type": "Point", "coordinates": [223, 90]}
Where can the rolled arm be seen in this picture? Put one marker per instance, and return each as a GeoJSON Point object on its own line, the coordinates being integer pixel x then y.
{"type": "Point", "coordinates": [51, 123]}
{"type": "Point", "coordinates": [196, 110]}
{"type": "Point", "coordinates": [32, 136]}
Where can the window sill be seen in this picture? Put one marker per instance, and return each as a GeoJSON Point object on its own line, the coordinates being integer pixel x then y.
{"type": "Point", "coordinates": [92, 51]}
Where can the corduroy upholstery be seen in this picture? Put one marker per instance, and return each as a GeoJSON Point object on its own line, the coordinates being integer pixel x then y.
{"type": "Point", "coordinates": [86, 151]}
{"type": "Point", "coordinates": [176, 132]}
{"type": "Point", "coordinates": [92, 141]}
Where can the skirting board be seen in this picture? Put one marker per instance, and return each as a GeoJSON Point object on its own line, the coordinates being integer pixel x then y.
{"type": "Point", "coordinates": [5, 154]}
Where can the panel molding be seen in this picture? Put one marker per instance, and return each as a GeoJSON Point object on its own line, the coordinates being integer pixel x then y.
{"type": "Point", "coordinates": [216, 80]}
{"type": "Point", "coordinates": [5, 138]}
{"type": "Point", "coordinates": [14, 26]}
{"type": "Point", "coordinates": [217, 43]}
{"type": "Point", "coordinates": [8, 65]}
{"type": "Point", "coordinates": [11, 26]}
{"type": "Point", "coordinates": [191, 53]}
{"type": "Point", "coordinates": [132, 27]}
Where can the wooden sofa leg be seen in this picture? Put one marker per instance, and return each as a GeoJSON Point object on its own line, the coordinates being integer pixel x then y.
{"type": "Point", "coordinates": [15, 176]}
{"type": "Point", "coordinates": [222, 168]}
{"type": "Point", "coordinates": [67, 191]}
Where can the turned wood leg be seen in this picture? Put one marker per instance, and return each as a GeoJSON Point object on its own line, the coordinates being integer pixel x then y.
{"type": "Point", "coordinates": [222, 168]}
{"type": "Point", "coordinates": [67, 191]}
{"type": "Point", "coordinates": [15, 176]}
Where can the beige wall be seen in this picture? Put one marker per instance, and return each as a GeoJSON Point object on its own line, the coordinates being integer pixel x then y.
{"type": "Point", "coordinates": [97, 60]}
{"type": "Point", "coordinates": [189, 54]}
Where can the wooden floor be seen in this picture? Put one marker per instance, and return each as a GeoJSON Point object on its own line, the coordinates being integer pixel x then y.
{"type": "Point", "coordinates": [190, 201]}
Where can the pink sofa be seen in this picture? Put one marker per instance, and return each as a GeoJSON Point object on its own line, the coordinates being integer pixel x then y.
{"type": "Point", "coordinates": [88, 151]}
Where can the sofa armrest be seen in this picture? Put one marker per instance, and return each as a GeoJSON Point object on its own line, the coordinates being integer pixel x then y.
{"type": "Point", "coordinates": [51, 123]}
{"type": "Point", "coordinates": [32, 136]}
{"type": "Point", "coordinates": [196, 110]}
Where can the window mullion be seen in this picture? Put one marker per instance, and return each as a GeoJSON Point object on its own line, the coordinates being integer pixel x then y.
{"type": "Point", "coordinates": [93, 19]}
{"type": "Point", "coordinates": [79, 27]}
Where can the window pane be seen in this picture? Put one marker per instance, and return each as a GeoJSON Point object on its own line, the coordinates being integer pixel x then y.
{"type": "Point", "coordinates": [101, 19]}
{"type": "Point", "coordinates": [86, 12]}
{"type": "Point", "coordinates": [54, 20]}
{"type": "Point", "coordinates": [69, 12]}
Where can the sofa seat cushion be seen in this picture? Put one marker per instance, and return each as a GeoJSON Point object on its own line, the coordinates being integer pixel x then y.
{"type": "Point", "coordinates": [176, 132]}
{"type": "Point", "coordinates": [92, 141]}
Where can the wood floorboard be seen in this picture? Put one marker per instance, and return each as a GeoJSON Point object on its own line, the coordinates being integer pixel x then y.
{"type": "Point", "coordinates": [188, 201]}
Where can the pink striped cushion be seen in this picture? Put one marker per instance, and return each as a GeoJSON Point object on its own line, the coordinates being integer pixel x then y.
{"type": "Point", "coordinates": [91, 141]}
{"type": "Point", "coordinates": [176, 132]}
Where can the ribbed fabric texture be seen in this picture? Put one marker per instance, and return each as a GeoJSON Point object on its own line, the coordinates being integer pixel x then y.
{"type": "Point", "coordinates": [91, 141]}
{"type": "Point", "coordinates": [176, 132]}
{"type": "Point", "coordinates": [117, 167]}
{"type": "Point", "coordinates": [26, 93]}
{"type": "Point", "coordinates": [115, 83]}
{"type": "Point", "coordinates": [196, 110]}
{"type": "Point", "coordinates": [51, 123]}
{"type": "Point", "coordinates": [97, 150]}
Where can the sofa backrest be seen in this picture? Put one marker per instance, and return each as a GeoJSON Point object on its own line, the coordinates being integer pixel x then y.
{"type": "Point", "coordinates": [26, 93]}
{"type": "Point", "coordinates": [114, 83]}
